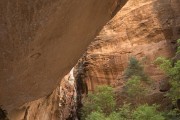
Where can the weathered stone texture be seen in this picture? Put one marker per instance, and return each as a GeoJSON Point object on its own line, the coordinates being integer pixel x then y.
{"type": "Point", "coordinates": [145, 29]}
{"type": "Point", "coordinates": [41, 40]}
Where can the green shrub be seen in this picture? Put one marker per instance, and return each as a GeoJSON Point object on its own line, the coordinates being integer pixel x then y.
{"type": "Point", "coordinates": [101, 116]}
{"type": "Point", "coordinates": [125, 112]}
{"type": "Point", "coordinates": [101, 106]}
{"type": "Point", "coordinates": [114, 116]}
{"type": "Point", "coordinates": [172, 114]}
{"type": "Point", "coordinates": [178, 49]}
{"type": "Point", "coordinates": [173, 72]}
{"type": "Point", "coordinates": [165, 64]}
{"type": "Point", "coordinates": [119, 115]}
{"type": "Point", "coordinates": [134, 68]}
{"type": "Point", "coordinates": [145, 112]}
{"type": "Point", "coordinates": [102, 100]}
{"type": "Point", "coordinates": [135, 87]}
{"type": "Point", "coordinates": [96, 116]}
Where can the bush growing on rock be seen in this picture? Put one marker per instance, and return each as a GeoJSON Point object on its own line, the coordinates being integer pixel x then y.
{"type": "Point", "coordinates": [135, 87]}
{"type": "Point", "coordinates": [101, 116]}
{"type": "Point", "coordinates": [100, 105]}
{"type": "Point", "coordinates": [173, 72]}
{"type": "Point", "coordinates": [142, 112]}
{"type": "Point", "coordinates": [124, 113]}
{"type": "Point", "coordinates": [135, 68]}
{"type": "Point", "coordinates": [146, 112]}
{"type": "Point", "coordinates": [137, 80]}
{"type": "Point", "coordinates": [96, 116]}
{"type": "Point", "coordinates": [102, 100]}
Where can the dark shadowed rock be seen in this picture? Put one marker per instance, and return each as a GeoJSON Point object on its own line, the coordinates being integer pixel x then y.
{"type": "Point", "coordinates": [164, 85]}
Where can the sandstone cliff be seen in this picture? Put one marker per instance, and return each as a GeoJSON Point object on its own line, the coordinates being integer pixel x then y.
{"type": "Point", "coordinates": [142, 28]}
{"type": "Point", "coordinates": [59, 105]}
{"type": "Point", "coordinates": [41, 40]}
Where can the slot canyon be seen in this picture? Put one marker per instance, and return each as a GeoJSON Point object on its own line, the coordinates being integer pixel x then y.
{"type": "Point", "coordinates": [53, 53]}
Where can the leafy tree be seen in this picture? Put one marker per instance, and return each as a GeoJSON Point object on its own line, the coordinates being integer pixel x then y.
{"type": "Point", "coordinates": [96, 116]}
{"type": "Point", "coordinates": [135, 87]}
{"type": "Point", "coordinates": [145, 112]}
{"type": "Point", "coordinates": [172, 70]}
{"type": "Point", "coordinates": [138, 83]}
{"type": "Point", "coordinates": [97, 107]}
{"type": "Point", "coordinates": [101, 116]}
{"type": "Point", "coordinates": [122, 114]}
{"type": "Point", "coordinates": [102, 100]}
{"type": "Point", "coordinates": [125, 112]}
{"type": "Point", "coordinates": [134, 68]}
{"type": "Point", "coordinates": [115, 116]}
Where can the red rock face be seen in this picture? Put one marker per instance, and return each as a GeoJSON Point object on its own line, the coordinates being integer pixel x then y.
{"type": "Point", "coordinates": [145, 29]}
{"type": "Point", "coordinates": [60, 105]}
{"type": "Point", "coordinates": [41, 40]}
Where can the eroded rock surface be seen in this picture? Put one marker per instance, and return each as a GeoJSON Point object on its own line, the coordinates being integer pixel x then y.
{"type": "Point", "coordinates": [41, 40]}
{"type": "Point", "coordinates": [60, 105]}
{"type": "Point", "coordinates": [145, 29]}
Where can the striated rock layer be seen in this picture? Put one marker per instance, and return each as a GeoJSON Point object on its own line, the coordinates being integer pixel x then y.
{"type": "Point", "coordinates": [145, 29]}
{"type": "Point", "coordinates": [41, 40]}
{"type": "Point", "coordinates": [60, 105]}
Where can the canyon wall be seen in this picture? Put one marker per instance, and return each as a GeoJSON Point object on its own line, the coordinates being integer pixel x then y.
{"type": "Point", "coordinates": [41, 40]}
{"type": "Point", "coordinates": [59, 105]}
{"type": "Point", "coordinates": [145, 29]}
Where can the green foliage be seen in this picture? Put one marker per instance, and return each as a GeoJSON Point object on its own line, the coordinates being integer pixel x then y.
{"type": "Point", "coordinates": [101, 106]}
{"type": "Point", "coordinates": [178, 49]}
{"type": "Point", "coordinates": [172, 70]}
{"type": "Point", "coordinates": [101, 116]}
{"type": "Point", "coordinates": [174, 92]}
{"type": "Point", "coordinates": [114, 116]}
{"type": "Point", "coordinates": [125, 112]}
{"type": "Point", "coordinates": [173, 114]}
{"type": "Point", "coordinates": [138, 83]}
{"type": "Point", "coordinates": [102, 100]}
{"type": "Point", "coordinates": [135, 87]}
{"type": "Point", "coordinates": [134, 68]}
{"type": "Point", "coordinates": [165, 65]}
{"type": "Point", "coordinates": [96, 116]}
{"type": "Point", "coordinates": [178, 41]}
{"type": "Point", "coordinates": [145, 112]}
